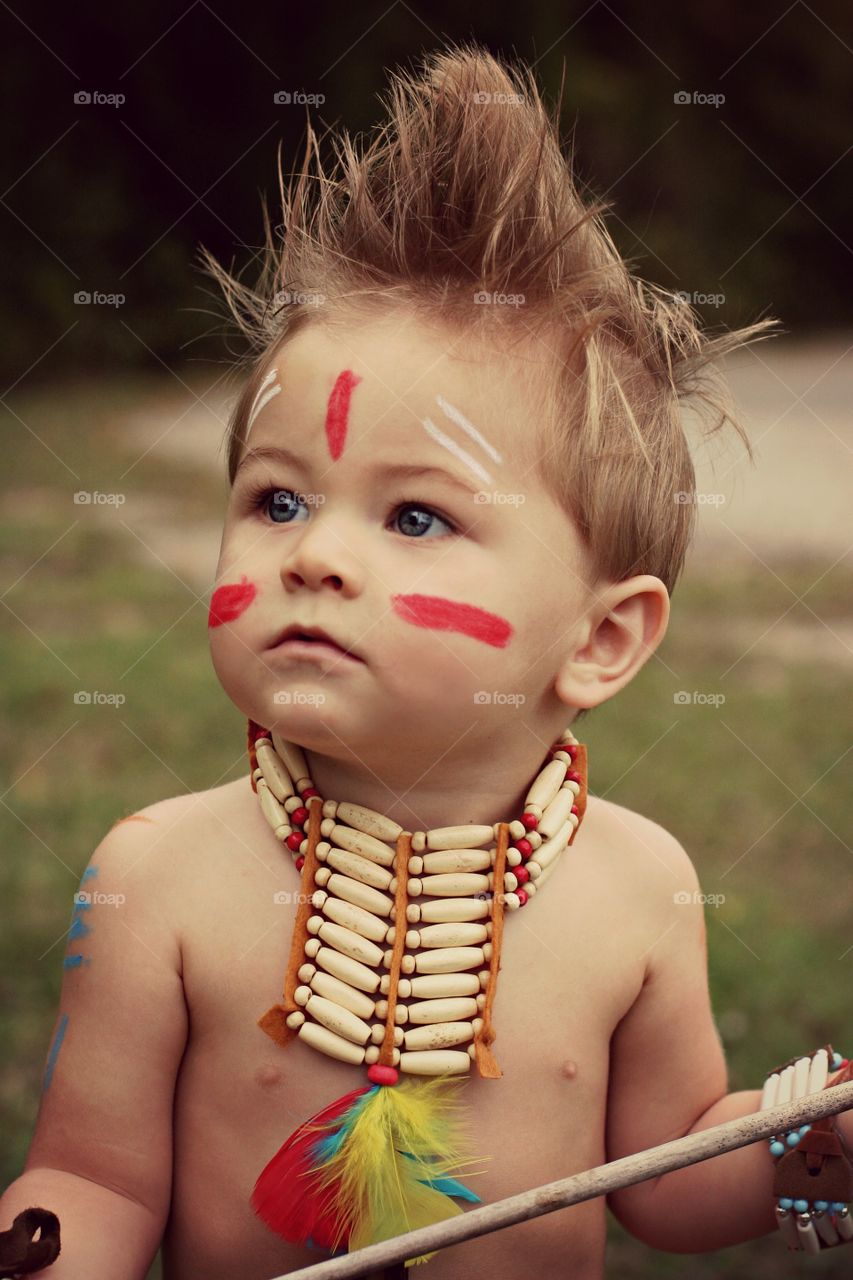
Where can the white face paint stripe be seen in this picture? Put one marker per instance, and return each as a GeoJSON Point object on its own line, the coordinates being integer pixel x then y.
{"type": "Point", "coordinates": [461, 421]}
{"type": "Point", "coordinates": [265, 393]}
{"type": "Point", "coordinates": [454, 448]}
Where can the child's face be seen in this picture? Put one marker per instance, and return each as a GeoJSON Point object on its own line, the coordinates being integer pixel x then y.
{"type": "Point", "coordinates": [461, 610]}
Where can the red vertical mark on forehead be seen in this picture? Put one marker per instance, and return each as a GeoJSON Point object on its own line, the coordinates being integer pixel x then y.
{"type": "Point", "coordinates": [449, 615]}
{"type": "Point", "coordinates": [337, 411]}
{"type": "Point", "coordinates": [228, 602]}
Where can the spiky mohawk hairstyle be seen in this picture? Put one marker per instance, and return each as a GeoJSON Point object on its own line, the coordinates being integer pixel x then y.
{"type": "Point", "coordinates": [464, 190]}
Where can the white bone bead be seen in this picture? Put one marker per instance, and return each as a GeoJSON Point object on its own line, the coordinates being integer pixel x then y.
{"type": "Point", "coordinates": [449, 960]}
{"type": "Point", "coordinates": [534, 870]}
{"type": "Point", "coordinates": [825, 1229]}
{"type": "Point", "coordinates": [275, 775]}
{"type": "Point", "coordinates": [439, 1035]}
{"type": "Point", "coordinates": [447, 910]}
{"type": "Point", "coordinates": [456, 860]}
{"type": "Point", "coordinates": [329, 1043]}
{"type": "Point", "coordinates": [513, 858]}
{"type": "Point", "coordinates": [452, 886]}
{"type": "Point", "coordinates": [342, 993]}
{"type": "Point", "coordinates": [440, 985]}
{"type": "Point", "coordinates": [339, 1020]}
{"type": "Point", "coordinates": [358, 868]}
{"type": "Point", "coordinates": [357, 842]}
{"type": "Point", "coordinates": [819, 1071]}
{"type": "Point", "coordinates": [435, 1062]}
{"type": "Point", "coordinates": [360, 894]}
{"type": "Point", "coordinates": [348, 970]}
{"type": "Point", "coordinates": [768, 1093]}
{"type": "Point", "coordinates": [368, 822]}
{"type": "Point", "coordinates": [292, 757]}
{"type": "Point", "coordinates": [416, 866]}
{"type": "Point", "coordinates": [512, 901]}
{"type": "Point", "coordinates": [546, 785]}
{"type": "Point", "coordinates": [407, 964]}
{"type": "Point", "coordinates": [355, 918]}
{"type": "Point", "coordinates": [451, 1010]}
{"type": "Point", "coordinates": [274, 813]}
{"type": "Point", "coordinates": [349, 943]}
{"type": "Point", "coordinates": [517, 830]}
{"type": "Point", "coordinates": [451, 935]}
{"type": "Point", "coordinates": [295, 1020]}
{"type": "Point", "coordinates": [377, 1034]}
{"type": "Point", "coordinates": [306, 972]}
{"type": "Point", "coordinates": [404, 986]}
{"type": "Point", "coordinates": [459, 837]}
{"type": "Point", "coordinates": [551, 849]}
{"type": "Point", "coordinates": [801, 1077]}
{"type": "Point", "coordinates": [372, 1052]}
{"type": "Point", "coordinates": [786, 1080]}
{"type": "Point", "coordinates": [808, 1237]}
{"type": "Point", "coordinates": [557, 813]}
{"type": "Point", "coordinates": [787, 1228]}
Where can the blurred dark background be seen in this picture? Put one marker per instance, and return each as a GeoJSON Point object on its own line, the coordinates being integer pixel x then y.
{"type": "Point", "coordinates": [746, 198]}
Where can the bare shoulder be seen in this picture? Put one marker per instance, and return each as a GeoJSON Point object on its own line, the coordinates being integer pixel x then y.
{"type": "Point", "coordinates": [647, 858]}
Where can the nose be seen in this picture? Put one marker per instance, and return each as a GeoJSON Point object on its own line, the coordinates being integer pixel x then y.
{"type": "Point", "coordinates": [320, 556]}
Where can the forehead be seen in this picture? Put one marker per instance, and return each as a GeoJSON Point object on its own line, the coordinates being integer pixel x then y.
{"type": "Point", "coordinates": [401, 368]}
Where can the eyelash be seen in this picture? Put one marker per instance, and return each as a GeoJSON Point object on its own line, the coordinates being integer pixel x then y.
{"type": "Point", "coordinates": [256, 496]}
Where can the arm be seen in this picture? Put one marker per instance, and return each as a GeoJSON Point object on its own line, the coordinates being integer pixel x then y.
{"type": "Point", "coordinates": [668, 1078]}
{"type": "Point", "coordinates": [101, 1154]}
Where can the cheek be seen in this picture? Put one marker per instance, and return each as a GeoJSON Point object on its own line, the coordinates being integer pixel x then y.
{"type": "Point", "coordinates": [230, 601]}
{"type": "Point", "coordinates": [438, 614]}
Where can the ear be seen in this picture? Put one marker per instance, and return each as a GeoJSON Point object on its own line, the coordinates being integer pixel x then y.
{"type": "Point", "coordinates": [624, 626]}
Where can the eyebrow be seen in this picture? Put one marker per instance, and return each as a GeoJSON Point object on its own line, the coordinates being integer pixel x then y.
{"type": "Point", "coordinates": [402, 470]}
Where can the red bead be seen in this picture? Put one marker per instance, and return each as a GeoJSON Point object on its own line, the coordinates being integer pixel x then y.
{"type": "Point", "coordinates": [294, 841]}
{"type": "Point", "coordinates": [571, 750]}
{"type": "Point", "coordinates": [300, 816]}
{"type": "Point", "coordinates": [377, 1074]}
{"type": "Point", "coordinates": [524, 847]}
{"type": "Point", "coordinates": [521, 874]}
{"type": "Point", "coordinates": [300, 862]}
{"type": "Point", "coordinates": [308, 792]}
{"type": "Point", "coordinates": [576, 811]}
{"type": "Point", "coordinates": [573, 775]}
{"type": "Point", "coordinates": [530, 821]}
{"type": "Point", "coordinates": [521, 895]}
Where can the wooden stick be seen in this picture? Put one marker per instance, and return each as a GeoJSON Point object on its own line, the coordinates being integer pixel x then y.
{"type": "Point", "coordinates": [639, 1167]}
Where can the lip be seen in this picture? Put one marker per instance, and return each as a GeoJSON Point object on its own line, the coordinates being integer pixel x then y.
{"type": "Point", "coordinates": [293, 640]}
{"type": "Point", "coordinates": [321, 651]}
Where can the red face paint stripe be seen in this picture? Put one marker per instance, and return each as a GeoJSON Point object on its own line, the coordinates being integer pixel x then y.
{"type": "Point", "coordinates": [448, 615]}
{"type": "Point", "coordinates": [337, 411]}
{"type": "Point", "coordinates": [228, 602]}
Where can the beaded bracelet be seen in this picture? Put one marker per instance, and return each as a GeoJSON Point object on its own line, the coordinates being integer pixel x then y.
{"type": "Point", "coordinates": [813, 1178]}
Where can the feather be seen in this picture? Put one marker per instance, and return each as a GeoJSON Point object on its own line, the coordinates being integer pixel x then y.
{"type": "Point", "coordinates": [373, 1165]}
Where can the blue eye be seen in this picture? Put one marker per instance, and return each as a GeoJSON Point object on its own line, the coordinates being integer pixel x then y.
{"type": "Point", "coordinates": [282, 505]}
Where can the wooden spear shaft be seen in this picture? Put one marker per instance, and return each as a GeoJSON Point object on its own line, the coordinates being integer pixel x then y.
{"type": "Point", "coordinates": [584, 1186]}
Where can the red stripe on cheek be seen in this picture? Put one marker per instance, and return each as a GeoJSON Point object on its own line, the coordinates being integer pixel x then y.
{"type": "Point", "coordinates": [439, 614]}
{"type": "Point", "coordinates": [228, 602]}
{"type": "Point", "coordinates": [337, 411]}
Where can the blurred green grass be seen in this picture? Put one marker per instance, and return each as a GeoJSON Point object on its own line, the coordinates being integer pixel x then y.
{"type": "Point", "coordinates": [724, 779]}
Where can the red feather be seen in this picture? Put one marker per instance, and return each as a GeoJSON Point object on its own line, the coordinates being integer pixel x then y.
{"type": "Point", "coordinates": [287, 1195]}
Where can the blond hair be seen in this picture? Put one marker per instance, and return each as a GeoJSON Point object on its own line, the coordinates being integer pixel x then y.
{"type": "Point", "coordinates": [464, 190]}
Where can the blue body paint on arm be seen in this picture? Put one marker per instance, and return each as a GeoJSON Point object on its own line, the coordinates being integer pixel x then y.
{"type": "Point", "coordinates": [54, 1049]}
